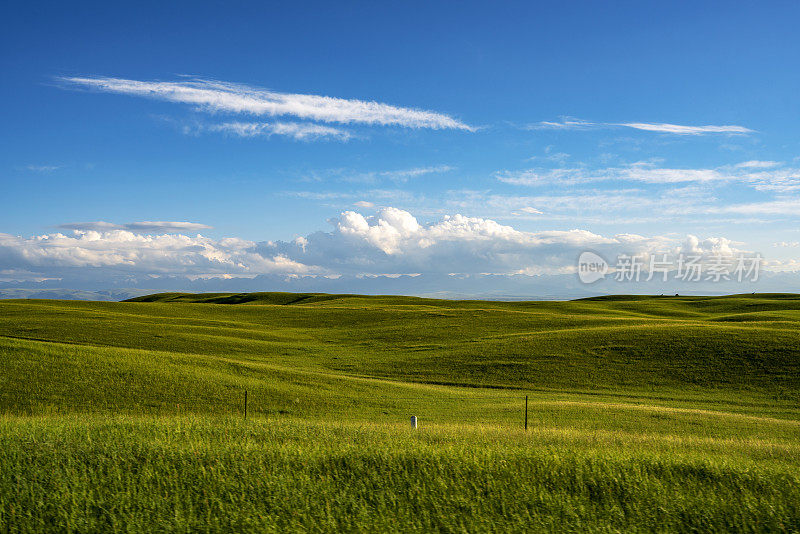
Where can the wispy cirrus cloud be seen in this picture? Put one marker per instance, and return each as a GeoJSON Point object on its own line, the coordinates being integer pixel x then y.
{"type": "Point", "coordinates": [637, 172]}
{"type": "Point", "coordinates": [405, 174]}
{"type": "Point", "coordinates": [685, 130]}
{"type": "Point", "coordinates": [780, 206]}
{"type": "Point", "coordinates": [566, 124]}
{"type": "Point", "coordinates": [529, 210]}
{"type": "Point", "coordinates": [297, 131]}
{"type": "Point", "coordinates": [218, 96]}
{"type": "Point", "coordinates": [136, 227]}
{"type": "Point", "coordinates": [760, 175]}
{"type": "Point", "coordinates": [40, 168]}
{"type": "Point", "coordinates": [678, 129]}
{"type": "Point", "coordinates": [757, 164]}
{"type": "Point", "coordinates": [398, 176]}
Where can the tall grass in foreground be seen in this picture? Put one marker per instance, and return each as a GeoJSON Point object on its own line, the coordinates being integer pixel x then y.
{"type": "Point", "coordinates": [125, 474]}
{"type": "Point", "coordinates": [646, 414]}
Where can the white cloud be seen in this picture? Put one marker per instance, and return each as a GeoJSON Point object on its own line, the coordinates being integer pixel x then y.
{"type": "Point", "coordinates": [41, 168]}
{"type": "Point", "coordinates": [783, 180]}
{"type": "Point", "coordinates": [638, 172]}
{"type": "Point", "coordinates": [364, 204]}
{"type": "Point", "coordinates": [773, 207]}
{"type": "Point", "coordinates": [651, 174]}
{"type": "Point", "coordinates": [758, 175]}
{"type": "Point", "coordinates": [587, 205]}
{"type": "Point", "coordinates": [686, 130]}
{"type": "Point", "coordinates": [678, 129]}
{"type": "Point", "coordinates": [566, 124]}
{"type": "Point", "coordinates": [216, 96]}
{"type": "Point", "coordinates": [121, 251]}
{"type": "Point", "coordinates": [404, 174]}
{"type": "Point", "coordinates": [790, 265]}
{"type": "Point", "coordinates": [297, 131]}
{"type": "Point", "coordinates": [719, 246]}
{"type": "Point", "coordinates": [757, 164]}
{"type": "Point", "coordinates": [559, 157]}
{"type": "Point", "coordinates": [530, 211]}
{"type": "Point", "coordinates": [392, 241]}
{"type": "Point", "coordinates": [535, 177]}
{"type": "Point", "coordinates": [139, 227]}
{"type": "Point", "coordinates": [373, 177]}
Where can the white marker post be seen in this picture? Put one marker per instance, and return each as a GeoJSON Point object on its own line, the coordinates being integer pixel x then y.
{"type": "Point", "coordinates": [414, 421]}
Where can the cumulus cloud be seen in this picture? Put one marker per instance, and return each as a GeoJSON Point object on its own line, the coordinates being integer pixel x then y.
{"type": "Point", "coordinates": [120, 251]}
{"type": "Point", "coordinates": [142, 226]}
{"type": "Point", "coordinates": [218, 96]}
{"type": "Point", "coordinates": [711, 246]}
{"type": "Point", "coordinates": [392, 241]}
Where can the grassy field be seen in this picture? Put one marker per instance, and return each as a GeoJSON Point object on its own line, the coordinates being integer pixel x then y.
{"type": "Point", "coordinates": [645, 413]}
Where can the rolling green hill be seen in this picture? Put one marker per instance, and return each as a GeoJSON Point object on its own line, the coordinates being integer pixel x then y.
{"type": "Point", "coordinates": [644, 412]}
{"type": "Point", "coordinates": [669, 348]}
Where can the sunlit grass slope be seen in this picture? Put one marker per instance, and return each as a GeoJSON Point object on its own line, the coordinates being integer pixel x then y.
{"type": "Point", "coordinates": [169, 349]}
{"type": "Point", "coordinates": [645, 413]}
{"type": "Point", "coordinates": [186, 474]}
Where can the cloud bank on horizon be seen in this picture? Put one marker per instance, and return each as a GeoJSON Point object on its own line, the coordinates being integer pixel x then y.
{"type": "Point", "coordinates": [391, 242]}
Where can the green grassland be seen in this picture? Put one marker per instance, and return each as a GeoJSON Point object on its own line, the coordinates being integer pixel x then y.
{"type": "Point", "coordinates": [645, 414]}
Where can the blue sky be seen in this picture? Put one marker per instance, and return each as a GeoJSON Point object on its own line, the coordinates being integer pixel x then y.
{"type": "Point", "coordinates": [549, 127]}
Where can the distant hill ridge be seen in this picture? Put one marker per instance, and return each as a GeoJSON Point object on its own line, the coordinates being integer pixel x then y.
{"type": "Point", "coordinates": [287, 298]}
{"type": "Point", "coordinates": [280, 298]}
